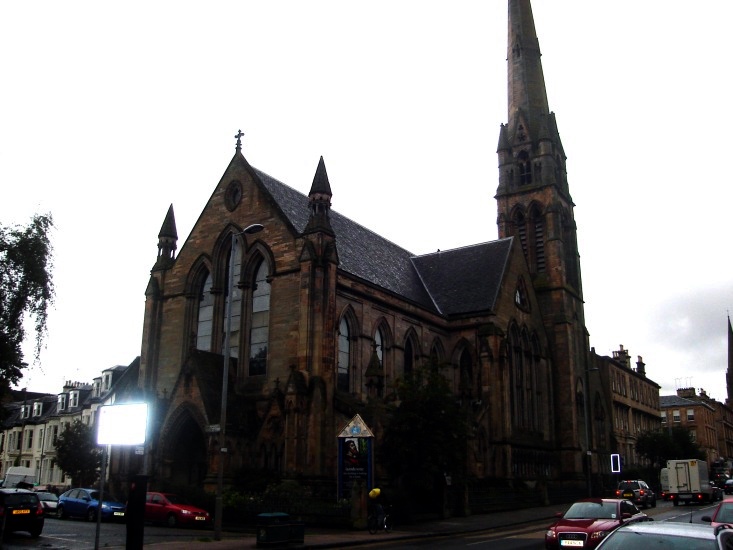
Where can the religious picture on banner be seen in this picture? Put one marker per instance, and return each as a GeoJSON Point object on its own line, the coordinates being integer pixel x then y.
{"type": "Point", "coordinates": [355, 458]}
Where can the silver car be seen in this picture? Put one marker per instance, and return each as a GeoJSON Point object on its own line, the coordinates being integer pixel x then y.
{"type": "Point", "coordinates": [668, 535]}
{"type": "Point", "coordinates": [49, 501]}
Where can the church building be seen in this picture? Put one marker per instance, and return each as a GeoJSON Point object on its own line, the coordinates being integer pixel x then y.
{"type": "Point", "coordinates": [324, 315]}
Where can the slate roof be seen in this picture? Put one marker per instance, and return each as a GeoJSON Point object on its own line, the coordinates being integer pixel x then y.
{"type": "Point", "coordinates": [450, 282]}
{"type": "Point", "coordinates": [677, 401]}
{"type": "Point", "coordinates": [465, 280]}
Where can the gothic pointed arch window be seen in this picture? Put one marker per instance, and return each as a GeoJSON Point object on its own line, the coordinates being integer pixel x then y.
{"type": "Point", "coordinates": [343, 375]}
{"type": "Point", "coordinates": [570, 247]}
{"type": "Point", "coordinates": [437, 353]}
{"type": "Point", "coordinates": [379, 345]}
{"type": "Point", "coordinates": [410, 355]}
{"type": "Point", "coordinates": [525, 168]}
{"type": "Point", "coordinates": [521, 297]}
{"type": "Point", "coordinates": [205, 312]}
{"type": "Point", "coordinates": [259, 331]}
{"type": "Point", "coordinates": [537, 234]}
{"type": "Point", "coordinates": [520, 225]}
{"type": "Point", "coordinates": [525, 396]}
{"type": "Point", "coordinates": [465, 367]}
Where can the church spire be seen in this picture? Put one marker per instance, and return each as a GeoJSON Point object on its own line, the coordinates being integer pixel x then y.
{"type": "Point", "coordinates": [526, 93]}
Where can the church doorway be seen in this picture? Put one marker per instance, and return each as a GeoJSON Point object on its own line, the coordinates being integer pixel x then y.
{"type": "Point", "coordinates": [185, 454]}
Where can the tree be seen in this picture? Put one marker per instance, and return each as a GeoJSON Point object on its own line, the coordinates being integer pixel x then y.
{"type": "Point", "coordinates": [659, 446]}
{"type": "Point", "coordinates": [426, 437]}
{"type": "Point", "coordinates": [78, 455]}
{"type": "Point", "coordinates": [26, 288]}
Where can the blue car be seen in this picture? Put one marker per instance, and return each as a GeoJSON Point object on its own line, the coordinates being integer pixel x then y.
{"type": "Point", "coordinates": [83, 503]}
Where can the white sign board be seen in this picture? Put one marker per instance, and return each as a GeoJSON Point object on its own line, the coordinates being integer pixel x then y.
{"type": "Point", "coordinates": [124, 424]}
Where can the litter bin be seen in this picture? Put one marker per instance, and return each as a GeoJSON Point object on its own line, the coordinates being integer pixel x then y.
{"type": "Point", "coordinates": [273, 529]}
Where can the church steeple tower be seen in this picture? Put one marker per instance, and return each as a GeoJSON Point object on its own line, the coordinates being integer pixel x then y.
{"type": "Point", "coordinates": [533, 197]}
{"type": "Point", "coordinates": [535, 207]}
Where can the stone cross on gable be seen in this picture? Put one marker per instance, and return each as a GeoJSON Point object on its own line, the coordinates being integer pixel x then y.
{"type": "Point", "coordinates": [239, 140]}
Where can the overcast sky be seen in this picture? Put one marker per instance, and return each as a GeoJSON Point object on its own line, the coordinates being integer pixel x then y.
{"type": "Point", "coordinates": [112, 111]}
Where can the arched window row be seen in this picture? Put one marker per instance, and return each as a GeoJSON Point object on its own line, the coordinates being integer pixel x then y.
{"type": "Point", "coordinates": [352, 362]}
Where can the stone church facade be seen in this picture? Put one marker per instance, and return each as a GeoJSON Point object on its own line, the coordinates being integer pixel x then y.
{"type": "Point", "coordinates": [326, 316]}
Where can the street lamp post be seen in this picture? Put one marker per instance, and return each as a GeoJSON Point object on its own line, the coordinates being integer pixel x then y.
{"type": "Point", "coordinates": [254, 228]}
{"type": "Point", "coordinates": [588, 459]}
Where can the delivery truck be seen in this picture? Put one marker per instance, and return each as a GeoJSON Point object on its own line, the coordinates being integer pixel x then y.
{"type": "Point", "coordinates": [688, 481]}
{"type": "Point", "coordinates": [19, 476]}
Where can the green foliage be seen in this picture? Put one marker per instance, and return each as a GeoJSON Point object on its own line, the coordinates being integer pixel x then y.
{"type": "Point", "coordinates": [78, 455]}
{"type": "Point", "coordinates": [26, 288]}
{"type": "Point", "coordinates": [426, 436]}
{"type": "Point", "coordinates": [663, 445]}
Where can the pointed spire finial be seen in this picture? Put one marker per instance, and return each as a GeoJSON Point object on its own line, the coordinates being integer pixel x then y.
{"type": "Point", "coordinates": [239, 140]}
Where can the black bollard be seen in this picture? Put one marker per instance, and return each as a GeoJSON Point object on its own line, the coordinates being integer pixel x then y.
{"type": "Point", "coordinates": [135, 514]}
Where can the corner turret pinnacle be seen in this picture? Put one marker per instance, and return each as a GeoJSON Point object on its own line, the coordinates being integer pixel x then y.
{"type": "Point", "coordinates": [167, 241]}
{"type": "Point", "coordinates": [319, 199]}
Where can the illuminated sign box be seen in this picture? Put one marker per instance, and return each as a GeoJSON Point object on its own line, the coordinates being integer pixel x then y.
{"type": "Point", "coordinates": [124, 424]}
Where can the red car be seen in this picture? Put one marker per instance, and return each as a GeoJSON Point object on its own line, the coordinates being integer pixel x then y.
{"type": "Point", "coordinates": [588, 521]}
{"type": "Point", "coordinates": [173, 510]}
{"type": "Point", "coordinates": [723, 514]}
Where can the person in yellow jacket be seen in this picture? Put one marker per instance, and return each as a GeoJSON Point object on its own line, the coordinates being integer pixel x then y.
{"type": "Point", "coordinates": [376, 506]}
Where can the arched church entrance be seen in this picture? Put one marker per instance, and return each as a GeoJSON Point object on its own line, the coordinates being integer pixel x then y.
{"type": "Point", "coordinates": [185, 453]}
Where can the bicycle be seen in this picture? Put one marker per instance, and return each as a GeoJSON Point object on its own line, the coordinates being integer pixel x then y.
{"type": "Point", "coordinates": [379, 520]}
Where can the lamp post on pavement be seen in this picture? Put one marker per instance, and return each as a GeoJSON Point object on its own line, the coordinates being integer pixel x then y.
{"type": "Point", "coordinates": [219, 506]}
{"type": "Point", "coordinates": [588, 459]}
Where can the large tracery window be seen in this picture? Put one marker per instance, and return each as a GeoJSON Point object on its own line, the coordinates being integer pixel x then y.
{"type": "Point", "coordinates": [259, 322]}
{"type": "Point", "coordinates": [344, 357]}
{"type": "Point", "coordinates": [525, 390]}
{"type": "Point", "coordinates": [205, 314]}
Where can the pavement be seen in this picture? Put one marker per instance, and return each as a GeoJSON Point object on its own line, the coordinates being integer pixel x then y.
{"type": "Point", "coordinates": [339, 538]}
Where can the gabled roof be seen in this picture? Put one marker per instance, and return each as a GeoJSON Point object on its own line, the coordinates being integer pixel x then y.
{"type": "Point", "coordinates": [451, 282]}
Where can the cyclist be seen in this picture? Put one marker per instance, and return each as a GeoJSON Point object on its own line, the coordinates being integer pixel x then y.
{"type": "Point", "coordinates": [377, 510]}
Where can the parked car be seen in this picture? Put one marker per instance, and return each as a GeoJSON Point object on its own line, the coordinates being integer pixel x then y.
{"type": "Point", "coordinates": [638, 492]}
{"type": "Point", "coordinates": [588, 521]}
{"type": "Point", "coordinates": [21, 510]}
{"type": "Point", "coordinates": [661, 534]}
{"type": "Point", "coordinates": [83, 503]}
{"type": "Point", "coordinates": [49, 501]}
{"type": "Point", "coordinates": [173, 510]}
{"type": "Point", "coordinates": [722, 515]}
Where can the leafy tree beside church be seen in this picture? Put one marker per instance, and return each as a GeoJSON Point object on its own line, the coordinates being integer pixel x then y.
{"type": "Point", "coordinates": [26, 288]}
